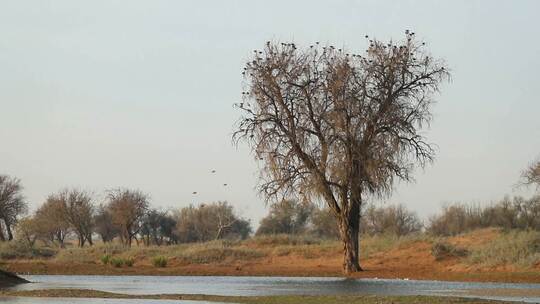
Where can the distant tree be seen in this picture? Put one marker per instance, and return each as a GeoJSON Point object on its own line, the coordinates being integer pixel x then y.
{"type": "Point", "coordinates": [210, 222]}
{"type": "Point", "coordinates": [186, 225]}
{"type": "Point", "coordinates": [128, 209]}
{"type": "Point", "coordinates": [531, 175]}
{"type": "Point", "coordinates": [323, 224]}
{"type": "Point", "coordinates": [339, 126]}
{"type": "Point", "coordinates": [287, 216]}
{"type": "Point", "coordinates": [12, 205]}
{"type": "Point", "coordinates": [104, 225]}
{"type": "Point", "coordinates": [51, 220]}
{"type": "Point", "coordinates": [157, 228]}
{"type": "Point", "coordinates": [395, 220]}
{"type": "Point", "coordinates": [240, 229]}
{"type": "Point", "coordinates": [78, 211]}
{"type": "Point", "coordinates": [28, 230]}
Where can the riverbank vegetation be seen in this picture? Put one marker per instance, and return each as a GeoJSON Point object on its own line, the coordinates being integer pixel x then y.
{"type": "Point", "coordinates": [71, 233]}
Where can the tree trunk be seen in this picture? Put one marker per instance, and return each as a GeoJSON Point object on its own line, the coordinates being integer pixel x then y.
{"type": "Point", "coordinates": [349, 227]}
{"type": "Point", "coordinates": [2, 236]}
{"type": "Point", "coordinates": [10, 234]}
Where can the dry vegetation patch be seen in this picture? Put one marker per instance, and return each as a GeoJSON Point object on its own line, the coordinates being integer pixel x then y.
{"type": "Point", "coordinates": [516, 248]}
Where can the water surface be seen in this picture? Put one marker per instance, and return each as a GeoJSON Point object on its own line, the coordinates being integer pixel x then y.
{"type": "Point", "coordinates": [264, 286]}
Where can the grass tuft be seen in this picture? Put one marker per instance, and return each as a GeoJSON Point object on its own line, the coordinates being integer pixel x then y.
{"type": "Point", "coordinates": [159, 261]}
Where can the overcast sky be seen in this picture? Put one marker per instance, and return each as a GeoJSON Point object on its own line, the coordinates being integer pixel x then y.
{"type": "Point", "coordinates": [104, 94]}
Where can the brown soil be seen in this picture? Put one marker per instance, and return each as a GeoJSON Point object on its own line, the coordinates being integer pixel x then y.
{"type": "Point", "coordinates": [411, 260]}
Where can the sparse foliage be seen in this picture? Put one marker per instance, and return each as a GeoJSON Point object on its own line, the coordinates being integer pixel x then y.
{"type": "Point", "coordinates": [128, 209]}
{"type": "Point", "coordinates": [531, 176]}
{"type": "Point", "coordinates": [52, 222]}
{"type": "Point", "coordinates": [286, 217]}
{"type": "Point", "coordinates": [78, 212]}
{"type": "Point", "coordinates": [210, 222]}
{"type": "Point", "coordinates": [12, 205]}
{"type": "Point", "coordinates": [396, 220]}
{"type": "Point", "coordinates": [338, 126]}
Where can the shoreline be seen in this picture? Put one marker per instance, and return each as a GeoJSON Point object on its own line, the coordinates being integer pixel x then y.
{"type": "Point", "coordinates": [357, 299]}
{"type": "Point", "coordinates": [269, 270]}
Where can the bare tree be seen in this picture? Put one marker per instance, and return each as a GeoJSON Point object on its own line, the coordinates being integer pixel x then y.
{"type": "Point", "coordinates": [210, 222]}
{"type": "Point", "coordinates": [339, 126]}
{"type": "Point", "coordinates": [395, 219]}
{"type": "Point", "coordinates": [531, 175]}
{"type": "Point", "coordinates": [128, 209]}
{"type": "Point", "coordinates": [78, 211]}
{"type": "Point", "coordinates": [12, 205]}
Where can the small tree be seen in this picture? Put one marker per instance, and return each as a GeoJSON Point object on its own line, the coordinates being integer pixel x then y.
{"type": "Point", "coordinates": [51, 220]}
{"type": "Point", "coordinates": [12, 205]}
{"type": "Point", "coordinates": [395, 220]}
{"type": "Point", "coordinates": [127, 208]}
{"type": "Point", "coordinates": [323, 224]}
{"type": "Point", "coordinates": [78, 211]}
{"type": "Point", "coordinates": [339, 126]}
{"type": "Point", "coordinates": [157, 227]}
{"type": "Point", "coordinates": [210, 222]}
{"type": "Point", "coordinates": [28, 231]}
{"type": "Point", "coordinates": [287, 216]}
{"type": "Point", "coordinates": [104, 225]}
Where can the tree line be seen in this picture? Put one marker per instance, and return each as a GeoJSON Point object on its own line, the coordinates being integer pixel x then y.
{"type": "Point", "coordinates": [126, 216]}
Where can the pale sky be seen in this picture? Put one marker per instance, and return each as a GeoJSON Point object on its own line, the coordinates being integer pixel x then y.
{"type": "Point", "coordinates": [104, 94]}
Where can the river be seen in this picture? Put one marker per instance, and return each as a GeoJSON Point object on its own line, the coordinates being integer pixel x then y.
{"type": "Point", "coordinates": [261, 286]}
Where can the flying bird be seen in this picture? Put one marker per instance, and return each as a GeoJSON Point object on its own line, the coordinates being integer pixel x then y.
{"type": "Point", "coordinates": [194, 192]}
{"type": "Point", "coordinates": [224, 184]}
{"type": "Point", "coordinates": [213, 171]}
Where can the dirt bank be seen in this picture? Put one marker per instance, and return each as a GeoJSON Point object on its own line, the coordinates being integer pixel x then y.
{"type": "Point", "coordinates": [411, 258]}
{"type": "Point", "coordinates": [82, 293]}
{"type": "Point", "coordinates": [10, 279]}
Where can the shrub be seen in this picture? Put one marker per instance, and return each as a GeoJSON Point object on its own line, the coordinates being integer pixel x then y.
{"type": "Point", "coordinates": [204, 255]}
{"type": "Point", "coordinates": [18, 249]}
{"type": "Point", "coordinates": [117, 262]}
{"type": "Point", "coordinates": [519, 248]}
{"type": "Point", "coordinates": [159, 261]}
{"type": "Point", "coordinates": [441, 250]}
{"type": "Point", "coordinates": [284, 239]}
{"type": "Point", "coordinates": [129, 262]}
{"type": "Point", "coordinates": [105, 259]}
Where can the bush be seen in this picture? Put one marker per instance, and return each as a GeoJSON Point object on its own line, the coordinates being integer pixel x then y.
{"type": "Point", "coordinates": [395, 220]}
{"type": "Point", "coordinates": [284, 239]}
{"type": "Point", "coordinates": [18, 249]}
{"type": "Point", "coordinates": [89, 254]}
{"type": "Point", "coordinates": [129, 262]}
{"type": "Point", "coordinates": [519, 248]}
{"type": "Point", "coordinates": [117, 262]}
{"type": "Point", "coordinates": [159, 261]}
{"type": "Point", "coordinates": [508, 214]}
{"type": "Point", "coordinates": [105, 259]}
{"type": "Point", "coordinates": [441, 250]}
{"type": "Point", "coordinates": [216, 254]}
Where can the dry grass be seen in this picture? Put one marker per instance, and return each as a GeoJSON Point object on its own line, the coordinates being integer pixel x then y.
{"type": "Point", "coordinates": [516, 248]}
